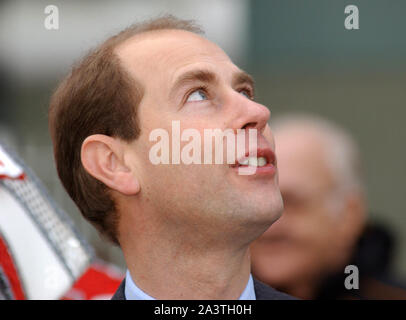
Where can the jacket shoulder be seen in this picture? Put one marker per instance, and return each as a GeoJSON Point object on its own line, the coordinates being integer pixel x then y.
{"type": "Point", "coordinates": [265, 292]}
{"type": "Point", "coordinates": [120, 295]}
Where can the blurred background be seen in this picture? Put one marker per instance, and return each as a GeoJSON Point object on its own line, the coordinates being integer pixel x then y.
{"type": "Point", "coordinates": [302, 57]}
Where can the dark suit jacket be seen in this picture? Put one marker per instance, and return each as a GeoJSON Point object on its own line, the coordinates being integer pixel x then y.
{"type": "Point", "coordinates": [262, 292]}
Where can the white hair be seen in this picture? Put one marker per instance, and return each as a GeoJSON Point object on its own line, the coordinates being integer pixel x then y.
{"type": "Point", "coordinates": [341, 151]}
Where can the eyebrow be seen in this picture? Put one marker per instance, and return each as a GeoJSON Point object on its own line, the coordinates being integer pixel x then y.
{"type": "Point", "coordinates": [204, 76]}
{"type": "Point", "coordinates": [207, 76]}
{"type": "Point", "coordinates": [242, 77]}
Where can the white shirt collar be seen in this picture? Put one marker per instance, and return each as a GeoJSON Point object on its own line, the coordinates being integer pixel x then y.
{"type": "Point", "coordinates": [132, 292]}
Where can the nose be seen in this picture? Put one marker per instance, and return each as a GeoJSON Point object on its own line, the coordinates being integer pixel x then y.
{"type": "Point", "coordinates": [250, 114]}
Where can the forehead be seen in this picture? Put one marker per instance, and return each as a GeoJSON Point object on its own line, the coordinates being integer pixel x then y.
{"type": "Point", "coordinates": [155, 55]}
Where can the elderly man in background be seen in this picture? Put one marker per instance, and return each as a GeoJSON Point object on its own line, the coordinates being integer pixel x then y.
{"type": "Point", "coordinates": [324, 226]}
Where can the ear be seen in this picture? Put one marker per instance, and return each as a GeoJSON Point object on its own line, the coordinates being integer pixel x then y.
{"type": "Point", "coordinates": [103, 158]}
{"type": "Point", "coordinates": [353, 217]}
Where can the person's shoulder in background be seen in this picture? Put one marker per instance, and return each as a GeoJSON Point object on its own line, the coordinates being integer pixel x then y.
{"type": "Point", "coordinates": [374, 257]}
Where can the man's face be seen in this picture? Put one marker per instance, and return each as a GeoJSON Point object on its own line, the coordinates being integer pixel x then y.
{"type": "Point", "coordinates": [197, 196]}
{"type": "Point", "coordinates": [301, 244]}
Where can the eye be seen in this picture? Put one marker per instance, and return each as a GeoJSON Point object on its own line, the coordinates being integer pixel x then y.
{"type": "Point", "coordinates": [197, 95]}
{"type": "Point", "coordinates": [247, 93]}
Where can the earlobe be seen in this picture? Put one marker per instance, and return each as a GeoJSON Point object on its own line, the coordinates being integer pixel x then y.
{"type": "Point", "coordinates": [103, 158]}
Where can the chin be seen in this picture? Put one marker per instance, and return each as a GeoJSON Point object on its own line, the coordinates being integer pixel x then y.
{"type": "Point", "coordinates": [270, 208]}
{"type": "Point", "coordinates": [262, 213]}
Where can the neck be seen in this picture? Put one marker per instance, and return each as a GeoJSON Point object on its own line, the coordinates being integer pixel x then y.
{"type": "Point", "coordinates": [164, 270]}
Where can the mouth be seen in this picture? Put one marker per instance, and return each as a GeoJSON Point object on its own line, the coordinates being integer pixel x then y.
{"type": "Point", "coordinates": [264, 162]}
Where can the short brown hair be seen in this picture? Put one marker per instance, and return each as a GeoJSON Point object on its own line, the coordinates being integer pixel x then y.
{"type": "Point", "coordinates": [98, 97]}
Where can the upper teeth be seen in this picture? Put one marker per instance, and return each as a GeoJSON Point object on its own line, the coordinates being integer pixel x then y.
{"type": "Point", "coordinates": [254, 161]}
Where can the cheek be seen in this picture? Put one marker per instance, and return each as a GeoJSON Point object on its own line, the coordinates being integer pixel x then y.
{"type": "Point", "coordinates": [322, 238]}
{"type": "Point", "coordinates": [268, 136]}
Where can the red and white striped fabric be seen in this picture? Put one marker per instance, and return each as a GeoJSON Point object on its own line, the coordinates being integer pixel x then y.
{"type": "Point", "coordinates": [9, 169]}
